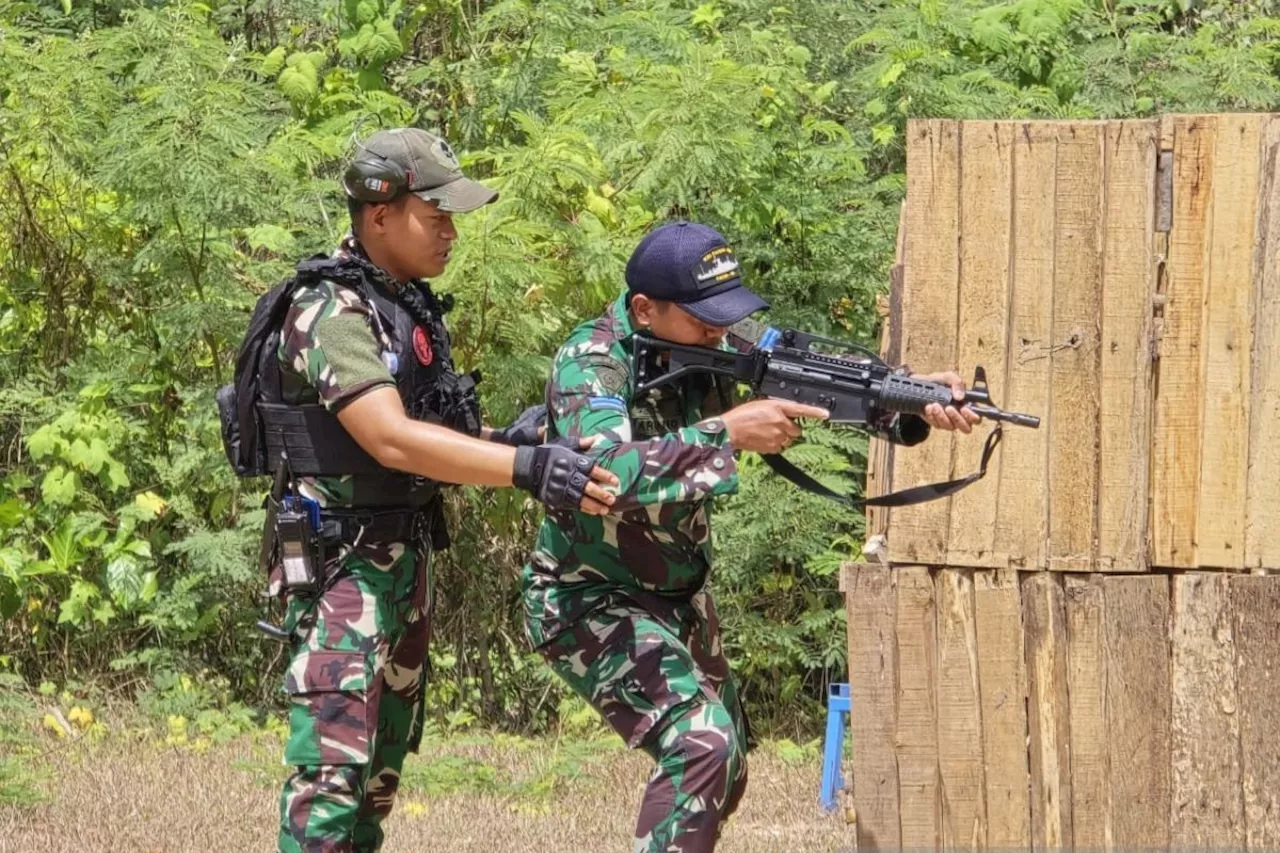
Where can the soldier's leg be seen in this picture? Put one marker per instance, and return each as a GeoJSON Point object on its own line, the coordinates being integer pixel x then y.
{"type": "Point", "coordinates": [335, 686]}
{"type": "Point", "coordinates": [694, 786]}
{"type": "Point", "coordinates": [400, 714]}
{"type": "Point", "coordinates": [640, 675]}
{"type": "Point", "coordinates": [702, 631]}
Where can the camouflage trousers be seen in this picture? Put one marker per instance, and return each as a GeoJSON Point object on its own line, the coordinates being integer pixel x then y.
{"type": "Point", "coordinates": [658, 675]}
{"type": "Point", "coordinates": [355, 682]}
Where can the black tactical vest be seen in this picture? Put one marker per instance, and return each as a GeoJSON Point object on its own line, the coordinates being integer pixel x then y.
{"type": "Point", "coordinates": [419, 358]}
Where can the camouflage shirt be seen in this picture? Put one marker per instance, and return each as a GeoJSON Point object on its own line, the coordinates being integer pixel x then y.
{"type": "Point", "coordinates": [330, 352]}
{"type": "Point", "coordinates": [671, 454]}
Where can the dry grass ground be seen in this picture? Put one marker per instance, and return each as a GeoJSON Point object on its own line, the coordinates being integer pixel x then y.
{"type": "Point", "coordinates": [462, 794]}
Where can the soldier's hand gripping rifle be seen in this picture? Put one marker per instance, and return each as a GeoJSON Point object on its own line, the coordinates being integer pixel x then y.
{"type": "Point", "coordinates": [850, 381]}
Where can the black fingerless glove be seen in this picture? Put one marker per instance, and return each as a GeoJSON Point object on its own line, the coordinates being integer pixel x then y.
{"type": "Point", "coordinates": [523, 431]}
{"type": "Point", "coordinates": [553, 474]}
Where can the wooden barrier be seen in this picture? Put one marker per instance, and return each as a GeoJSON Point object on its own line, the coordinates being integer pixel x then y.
{"type": "Point", "coordinates": [1081, 651]}
{"type": "Point", "coordinates": [1003, 709]}
{"type": "Point", "coordinates": [1120, 280]}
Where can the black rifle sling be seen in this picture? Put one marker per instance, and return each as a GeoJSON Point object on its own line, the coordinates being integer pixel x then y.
{"type": "Point", "coordinates": [905, 497]}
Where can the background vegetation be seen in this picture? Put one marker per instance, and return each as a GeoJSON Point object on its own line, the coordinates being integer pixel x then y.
{"type": "Point", "coordinates": [162, 163]}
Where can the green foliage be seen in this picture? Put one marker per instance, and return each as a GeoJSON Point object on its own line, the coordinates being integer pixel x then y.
{"type": "Point", "coordinates": [22, 780]}
{"type": "Point", "coordinates": [560, 765]}
{"type": "Point", "coordinates": [161, 165]}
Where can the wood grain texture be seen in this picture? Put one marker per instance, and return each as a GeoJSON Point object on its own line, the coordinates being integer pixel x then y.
{"type": "Point", "coordinates": [1002, 678]}
{"type": "Point", "coordinates": [1074, 361]}
{"type": "Point", "coordinates": [1138, 706]}
{"type": "Point", "coordinates": [1262, 522]}
{"type": "Point", "coordinates": [1048, 710]}
{"type": "Point", "coordinates": [1021, 525]}
{"type": "Point", "coordinates": [1228, 343]}
{"type": "Point", "coordinates": [1205, 723]}
{"type": "Point", "coordinates": [1179, 396]}
{"type": "Point", "coordinates": [986, 167]}
{"type": "Point", "coordinates": [1087, 690]}
{"type": "Point", "coordinates": [1128, 286]}
{"type": "Point", "coordinates": [879, 451]}
{"type": "Point", "coordinates": [873, 688]}
{"type": "Point", "coordinates": [1255, 603]}
{"type": "Point", "coordinates": [960, 765]}
{"type": "Point", "coordinates": [919, 797]}
{"type": "Point", "coordinates": [929, 308]}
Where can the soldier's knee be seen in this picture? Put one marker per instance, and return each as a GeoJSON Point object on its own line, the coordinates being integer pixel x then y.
{"type": "Point", "coordinates": [710, 750]}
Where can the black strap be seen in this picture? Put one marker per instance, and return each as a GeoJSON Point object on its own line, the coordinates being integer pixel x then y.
{"type": "Point", "coordinates": [906, 497]}
{"type": "Point", "coordinates": [373, 526]}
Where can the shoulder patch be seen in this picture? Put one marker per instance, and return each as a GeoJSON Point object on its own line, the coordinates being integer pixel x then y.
{"type": "Point", "coordinates": [608, 374]}
{"type": "Point", "coordinates": [597, 404]}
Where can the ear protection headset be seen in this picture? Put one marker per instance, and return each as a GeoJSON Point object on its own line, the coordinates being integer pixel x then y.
{"type": "Point", "coordinates": [374, 178]}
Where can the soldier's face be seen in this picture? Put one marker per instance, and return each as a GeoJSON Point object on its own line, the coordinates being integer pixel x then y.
{"type": "Point", "coordinates": [416, 237]}
{"type": "Point", "coordinates": [669, 321]}
{"type": "Point", "coordinates": [429, 236]}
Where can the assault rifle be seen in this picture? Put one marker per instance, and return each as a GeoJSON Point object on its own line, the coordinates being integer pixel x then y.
{"type": "Point", "coordinates": [853, 383]}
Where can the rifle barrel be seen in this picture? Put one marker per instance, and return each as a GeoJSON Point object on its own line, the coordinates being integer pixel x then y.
{"type": "Point", "coordinates": [997, 414]}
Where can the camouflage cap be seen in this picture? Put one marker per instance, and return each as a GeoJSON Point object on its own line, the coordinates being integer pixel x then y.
{"type": "Point", "coordinates": [432, 168]}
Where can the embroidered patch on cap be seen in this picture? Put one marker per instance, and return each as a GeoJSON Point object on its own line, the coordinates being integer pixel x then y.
{"type": "Point", "coordinates": [444, 154]}
{"type": "Point", "coordinates": [716, 267]}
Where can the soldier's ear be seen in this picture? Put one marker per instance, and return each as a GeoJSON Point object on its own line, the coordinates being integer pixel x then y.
{"type": "Point", "coordinates": [643, 309]}
{"type": "Point", "coordinates": [376, 218]}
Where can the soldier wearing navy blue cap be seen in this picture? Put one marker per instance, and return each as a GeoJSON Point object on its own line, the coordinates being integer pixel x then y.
{"type": "Point", "coordinates": [619, 605]}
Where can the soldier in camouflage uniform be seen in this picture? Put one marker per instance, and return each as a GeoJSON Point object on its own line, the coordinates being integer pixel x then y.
{"type": "Point", "coordinates": [618, 605]}
{"type": "Point", "coordinates": [365, 340]}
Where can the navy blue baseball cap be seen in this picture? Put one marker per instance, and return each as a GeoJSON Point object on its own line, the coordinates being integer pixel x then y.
{"type": "Point", "coordinates": [692, 265]}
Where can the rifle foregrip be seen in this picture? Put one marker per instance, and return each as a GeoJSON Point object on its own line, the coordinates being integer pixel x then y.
{"type": "Point", "coordinates": [910, 396]}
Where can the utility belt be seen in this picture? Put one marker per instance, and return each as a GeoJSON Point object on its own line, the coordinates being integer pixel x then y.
{"type": "Point", "coordinates": [388, 525]}
{"type": "Point", "coordinates": [299, 536]}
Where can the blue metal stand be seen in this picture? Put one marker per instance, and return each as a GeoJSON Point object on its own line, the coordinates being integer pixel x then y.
{"type": "Point", "coordinates": [839, 705]}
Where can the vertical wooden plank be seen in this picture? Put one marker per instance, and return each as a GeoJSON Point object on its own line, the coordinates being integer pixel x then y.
{"type": "Point", "coordinates": [1002, 679]}
{"type": "Point", "coordinates": [873, 687]}
{"type": "Point", "coordinates": [1138, 702]}
{"type": "Point", "coordinates": [1021, 526]}
{"type": "Point", "coordinates": [964, 816]}
{"type": "Point", "coordinates": [1256, 604]}
{"type": "Point", "coordinates": [1077, 304]}
{"type": "Point", "coordinates": [918, 533]}
{"type": "Point", "coordinates": [1205, 731]}
{"type": "Point", "coordinates": [1176, 427]}
{"type": "Point", "coordinates": [1047, 710]}
{"type": "Point", "coordinates": [1262, 525]}
{"type": "Point", "coordinates": [879, 451]}
{"type": "Point", "coordinates": [918, 797]}
{"type": "Point", "coordinates": [1124, 446]}
{"type": "Point", "coordinates": [878, 448]}
{"type": "Point", "coordinates": [1087, 689]}
{"type": "Point", "coordinates": [986, 168]}
{"type": "Point", "coordinates": [1228, 343]}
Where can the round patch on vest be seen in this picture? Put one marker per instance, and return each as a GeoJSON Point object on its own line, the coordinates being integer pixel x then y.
{"type": "Point", "coordinates": [422, 346]}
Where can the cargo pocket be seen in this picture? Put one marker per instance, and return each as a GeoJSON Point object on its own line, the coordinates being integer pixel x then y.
{"type": "Point", "coordinates": [328, 709]}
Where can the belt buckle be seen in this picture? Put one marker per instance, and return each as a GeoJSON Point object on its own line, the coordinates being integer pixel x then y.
{"type": "Point", "coordinates": [362, 522]}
